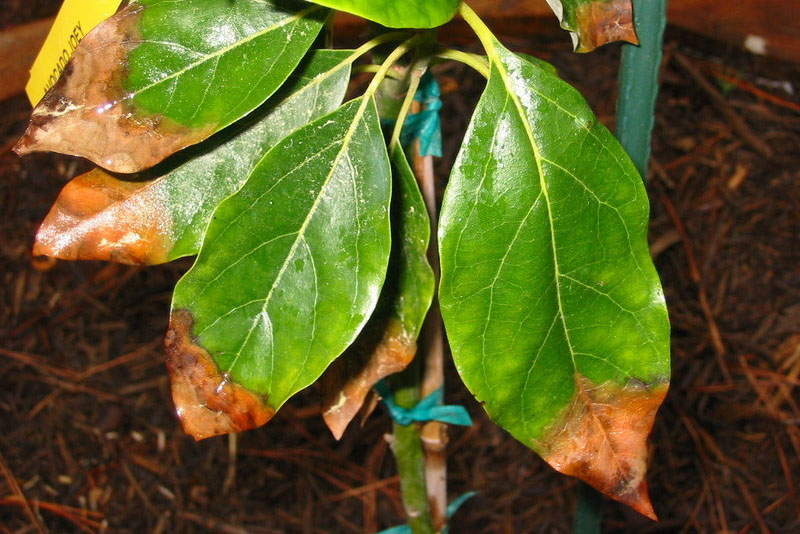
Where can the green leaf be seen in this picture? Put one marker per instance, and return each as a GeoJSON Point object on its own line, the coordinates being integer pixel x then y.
{"type": "Point", "coordinates": [593, 23]}
{"type": "Point", "coordinates": [396, 14]}
{"type": "Point", "coordinates": [409, 267]}
{"type": "Point", "coordinates": [151, 220]}
{"type": "Point", "coordinates": [388, 342]}
{"type": "Point", "coordinates": [553, 308]}
{"type": "Point", "coordinates": [290, 270]}
{"type": "Point", "coordinates": [161, 75]}
{"type": "Point", "coordinates": [542, 64]}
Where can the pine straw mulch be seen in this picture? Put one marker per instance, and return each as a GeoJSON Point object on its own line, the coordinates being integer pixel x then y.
{"type": "Point", "coordinates": [90, 440]}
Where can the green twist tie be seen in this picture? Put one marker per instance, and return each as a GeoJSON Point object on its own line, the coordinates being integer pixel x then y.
{"type": "Point", "coordinates": [452, 508]}
{"type": "Point", "coordinates": [428, 409]}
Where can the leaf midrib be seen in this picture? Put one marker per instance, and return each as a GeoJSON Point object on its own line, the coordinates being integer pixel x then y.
{"type": "Point", "coordinates": [543, 185]}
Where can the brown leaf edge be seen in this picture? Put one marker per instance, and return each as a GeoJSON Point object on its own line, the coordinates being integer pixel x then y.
{"type": "Point", "coordinates": [99, 217]}
{"type": "Point", "coordinates": [346, 384]}
{"type": "Point", "coordinates": [87, 113]}
{"type": "Point", "coordinates": [602, 439]}
{"type": "Point", "coordinates": [206, 401]}
{"type": "Point", "coordinates": [604, 21]}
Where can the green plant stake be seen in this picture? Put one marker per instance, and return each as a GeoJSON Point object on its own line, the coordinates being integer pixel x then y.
{"type": "Point", "coordinates": [311, 233]}
{"type": "Point", "coordinates": [589, 510]}
{"type": "Point", "coordinates": [638, 82]}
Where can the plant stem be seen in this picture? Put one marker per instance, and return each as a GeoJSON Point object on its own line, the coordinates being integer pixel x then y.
{"type": "Point", "coordinates": [407, 449]}
{"type": "Point", "coordinates": [431, 344]}
{"type": "Point", "coordinates": [407, 443]}
{"type": "Point", "coordinates": [434, 433]}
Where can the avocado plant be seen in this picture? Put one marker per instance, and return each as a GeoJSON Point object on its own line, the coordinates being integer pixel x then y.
{"type": "Point", "coordinates": [219, 131]}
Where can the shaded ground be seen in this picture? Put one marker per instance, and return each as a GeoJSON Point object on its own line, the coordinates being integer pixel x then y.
{"type": "Point", "coordinates": [87, 425]}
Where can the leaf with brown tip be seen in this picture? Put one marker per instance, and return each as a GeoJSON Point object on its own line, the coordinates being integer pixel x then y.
{"type": "Point", "coordinates": [99, 216]}
{"type": "Point", "coordinates": [593, 23]}
{"type": "Point", "coordinates": [207, 402]}
{"type": "Point", "coordinates": [162, 75]}
{"type": "Point", "coordinates": [388, 342]}
{"type": "Point", "coordinates": [602, 439]}
{"type": "Point", "coordinates": [349, 379]}
{"type": "Point", "coordinates": [553, 308]}
{"type": "Point", "coordinates": [277, 298]}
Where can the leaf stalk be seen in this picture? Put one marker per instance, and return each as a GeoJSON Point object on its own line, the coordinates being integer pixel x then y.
{"type": "Point", "coordinates": [415, 73]}
{"type": "Point", "coordinates": [374, 68]}
{"type": "Point", "coordinates": [475, 61]}
{"type": "Point", "coordinates": [396, 54]}
{"type": "Point", "coordinates": [483, 32]}
{"type": "Point", "coordinates": [375, 42]}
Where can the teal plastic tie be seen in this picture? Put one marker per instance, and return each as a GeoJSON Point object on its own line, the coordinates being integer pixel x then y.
{"type": "Point", "coordinates": [399, 529]}
{"type": "Point", "coordinates": [452, 508]}
{"type": "Point", "coordinates": [428, 409]}
{"type": "Point", "coordinates": [426, 124]}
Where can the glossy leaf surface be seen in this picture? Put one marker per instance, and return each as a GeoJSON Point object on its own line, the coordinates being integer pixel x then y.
{"type": "Point", "coordinates": [289, 272]}
{"type": "Point", "coordinates": [593, 23]}
{"type": "Point", "coordinates": [398, 14]}
{"type": "Point", "coordinates": [553, 308]}
{"type": "Point", "coordinates": [98, 216]}
{"type": "Point", "coordinates": [161, 75]}
{"type": "Point", "coordinates": [388, 342]}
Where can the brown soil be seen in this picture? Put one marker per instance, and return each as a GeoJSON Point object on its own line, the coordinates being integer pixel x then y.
{"type": "Point", "coordinates": [91, 440]}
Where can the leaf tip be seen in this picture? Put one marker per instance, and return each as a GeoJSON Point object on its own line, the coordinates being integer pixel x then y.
{"type": "Point", "coordinates": [88, 113]}
{"type": "Point", "coordinates": [600, 22]}
{"type": "Point", "coordinates": [99, 217]}
{"type": "Point", "coordinates": [348, 381]}
{"type": "Point", "coordinates": [22, 147]}
{"type": "Point", "coordinates": [602, 439]}
{"type": "Point", "coordinates": [206, 401]}
{"type": "Point", "coordinates": [335, 417]}
{"type": "Point", "coordinates": [640, 501]}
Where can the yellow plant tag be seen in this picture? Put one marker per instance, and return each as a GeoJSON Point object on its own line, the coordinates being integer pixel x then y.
{"type": "Point", "coordinates": [74, 20]}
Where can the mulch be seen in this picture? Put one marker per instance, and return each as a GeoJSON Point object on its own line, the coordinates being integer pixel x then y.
{"type": "Point", "coordinates": [89, 442]}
